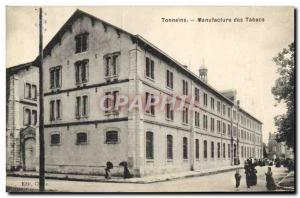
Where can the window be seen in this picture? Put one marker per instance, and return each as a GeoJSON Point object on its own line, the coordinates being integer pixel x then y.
{"type": "Point", "coordinates": [169, 79]}
{"type": "Point", "coordinates": [27, 91]}
{"type": "Point", "coordinates": [224, 109]}
{"type": "Point", "coordinates": [185, 115]}
{"type": "Point", "coordinates": [30, 91]}
{"type": "Point", "coordinates": [149, 103]}
{"type": "Point", "coordinates": [169, 147]}
{"type": "Point", "coordinates": [185, 87]}
{"type": "Point", "coordinates": [81, 108]}
{"type": "Point", "coordinates": [197, 94]}
{"type": "Point", "coordinates": [55, 139]}
{"type": "Point", "coordinates": [55, 77]}
{"type": "Point", "coordinates": [212, 124]}
{"type": "Point", "coordinates": [197, 148]}
{"type": "Point", "coordinates": [197, 119]}
{"type": "Point", "coordinates": [81, 71]}
{"type": "Point", "coordinates": [33, 92]}
{"type": "Point", "coordinates": [112, 65]}
{"type": "Point", "coordinates": [229, 147]}
{"type": "Point", "coordinates": [242, 151]}
{"type": "Point", "coordinates": [229, 130]}
{"type": "Point", "coordinates": [149, 145]}
{"type": "Point", "coordinates": [81, 138]}
{"type": "Point", "coordinates": [224, 128]}
{"type": "Point", "coordinates": [112, 137]}
{"type": "Point", "coordinates": [27, 117]}
{"type": "Point", "coordinates": [205, 121]}
{"type": "Point", "coordinates": [149, 68]}
{"type": "Point", "coordinates": [228, 112]}
{"type": "Point", "coordinates": [81, 41]}
{"type": "Point", "coordinates": [110, 101]}
{"type": "Point", "coordinates": [55, 110]}
{"type": "Point", "coordinates": [212, 149]}
{"type": "Point", "coordinates": [34, 117]}
{"type": "Point", "coordinates": [219, 149]}
{"type": "Point", "coordinates": [219, 107]}
{"type": "Point", "coordinates": [205, 99]}
{"type": "Point", "coordinates": [212, 103]}
{"type": "Point", "coordinates": [224, 150]}
{"type": "Point", "coordinates": [169, 111]}
{"type": "Point", "coordinates": [205, 149]}
{"type": "Point", "coordinates": [234, 114]}
{"type": "Point", "coordinates": [185, 148]}
{"type": "Point", "coordinates": [219, 126]}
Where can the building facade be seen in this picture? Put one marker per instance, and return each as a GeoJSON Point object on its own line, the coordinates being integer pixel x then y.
{"type": "Point", "coordinates": [22, 117]}
{"type": "Point", "coordinates": [89, 59]}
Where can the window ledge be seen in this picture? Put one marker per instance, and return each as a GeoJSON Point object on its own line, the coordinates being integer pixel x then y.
{"type": "Point", "coordinates": [149, 78]}
{"type": "Point", "coordinates": [170, 120]}
{"type": "Point", "coordinates": [150, 160]}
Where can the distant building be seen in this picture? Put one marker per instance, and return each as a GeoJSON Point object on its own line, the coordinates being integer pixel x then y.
{"type": "Point", "coordinates": [22, 117]}
{"type": "Point", "coordinates": [278, 149]}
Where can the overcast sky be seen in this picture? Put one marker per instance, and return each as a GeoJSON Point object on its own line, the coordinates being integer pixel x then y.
{"type": "Point", "coordinates": [237, 55]}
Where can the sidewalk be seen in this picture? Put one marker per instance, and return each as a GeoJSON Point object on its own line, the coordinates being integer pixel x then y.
{"type": "Point", "coordinates": [143, 180]}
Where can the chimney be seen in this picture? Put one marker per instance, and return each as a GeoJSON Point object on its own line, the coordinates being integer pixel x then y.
{"type": "Point", "coordinates": [203, 72]}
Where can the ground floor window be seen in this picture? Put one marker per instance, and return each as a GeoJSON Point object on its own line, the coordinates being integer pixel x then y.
{"type": "Point", "coordinates": [112, 137]}
{"type": "Point", "coordinates": [212, 149]}
{"type": "Point", "coordinates": [185, 148]}
{"type": "Point", "coordinates": [55, 139]}
{"type": "Point", "coordinates": [205, 149]}
{"type": "Point", "coordinates": [197, 148]}
{"type": "Point", "coordinates": [149, 145]}
{"type": "Point", "coordinates": [224, 150]}
{"type": "Point", "coordinates": [81, 138]}
{"type": "Point", "coordinates": [169, 147]}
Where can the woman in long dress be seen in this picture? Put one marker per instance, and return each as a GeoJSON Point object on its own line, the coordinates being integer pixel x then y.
{"type": "Point", "coordinates": [270, 180]}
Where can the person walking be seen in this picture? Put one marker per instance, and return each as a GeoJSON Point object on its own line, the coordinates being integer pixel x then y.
{"type": "Point", "coordinates": [247, 173]}
{"type": "Point", "coordinates": [270, 183]}
{"type": "Point", "coordinates": [237, 177]}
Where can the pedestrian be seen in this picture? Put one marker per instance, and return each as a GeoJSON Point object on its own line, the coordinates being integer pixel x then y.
{"type": "Point", "coordinates": [247, 173]}
{"type": "Point", "coordinates": [109, 166]}
{"type": "Point", "coordinates": [237, 178]}
{"type": "Point", "coordinates": [270, 180]}
{"type": "Point", "coordinates": [126, 170]}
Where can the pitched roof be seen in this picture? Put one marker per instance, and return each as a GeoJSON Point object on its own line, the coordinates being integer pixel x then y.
{"type": "Point", "coordinates": [17, 68]}
{"type": "Point", "coordinates": [142, 42]}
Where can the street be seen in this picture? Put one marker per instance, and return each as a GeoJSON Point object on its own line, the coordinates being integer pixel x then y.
{"type": "Point", "coordinates": [223, 182]}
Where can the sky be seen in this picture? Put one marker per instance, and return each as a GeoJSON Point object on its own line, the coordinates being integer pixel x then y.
{"type": "Point", "coordinates": [238, 55]}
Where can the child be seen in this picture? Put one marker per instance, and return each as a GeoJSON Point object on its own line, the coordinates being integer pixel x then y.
{"type": "Point", "coordinates": [237, 178]}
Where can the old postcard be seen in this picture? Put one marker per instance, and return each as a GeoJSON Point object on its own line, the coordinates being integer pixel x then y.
{"type": "Point", "coordinates": [150, 99]}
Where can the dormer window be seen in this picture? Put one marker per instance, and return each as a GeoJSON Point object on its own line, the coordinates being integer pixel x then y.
{"type": "Point", "coordinates": [81, 42]}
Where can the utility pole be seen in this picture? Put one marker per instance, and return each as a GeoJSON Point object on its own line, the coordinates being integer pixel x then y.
{"type": "Point", "coordinates": [41, 105]}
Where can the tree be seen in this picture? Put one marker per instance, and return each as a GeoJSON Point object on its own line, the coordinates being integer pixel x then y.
{"type": "Point", "coordinates": [284, 91]}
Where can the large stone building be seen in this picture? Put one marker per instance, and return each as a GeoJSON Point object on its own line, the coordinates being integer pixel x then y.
{"type": "Point", "coordinates": [22, 117]}
{"type": "Point", "coordinates": [88, 59]}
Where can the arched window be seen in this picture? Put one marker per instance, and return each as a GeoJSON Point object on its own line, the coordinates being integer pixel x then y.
{"type": "Point", "coordinates": [197, 148]}
{"type": "Point", "coordinates": [112, 137]}
{"type": "Point", "coordinates": [149, 145]}
{"type": "Point", "coordinates": [185, 148]}
{"type": "Point", "coordinates": [205, 148]}
{"type": "Point", "coordinates": [55, 139]}
{"type": "Point", "coordinates": [81, 138]}
{"type": "Point", "coordinates": [169, 147]}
